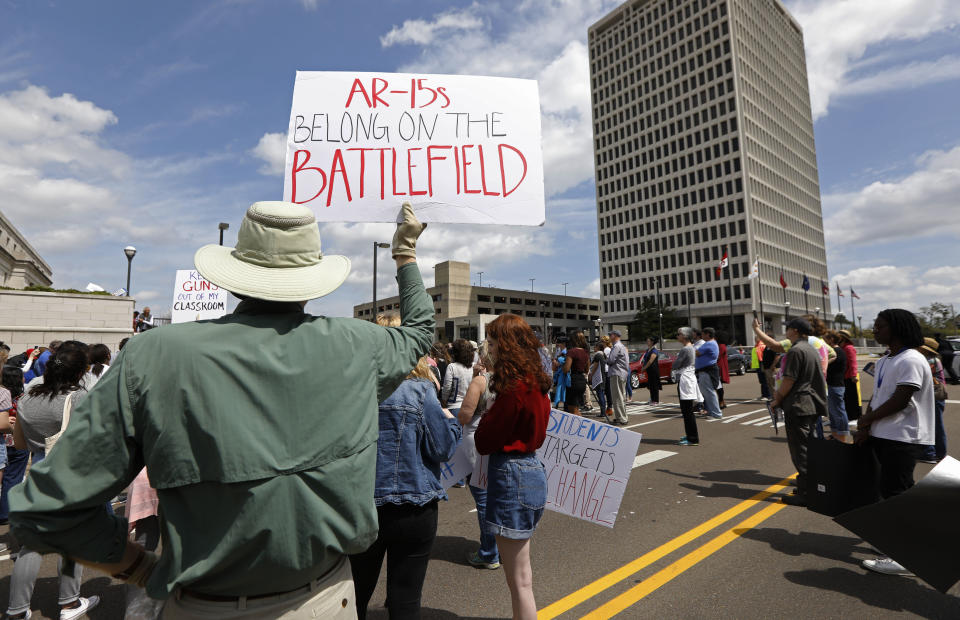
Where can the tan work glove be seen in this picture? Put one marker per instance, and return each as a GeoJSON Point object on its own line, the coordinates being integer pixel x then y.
{"type": "Point", "coordinates": [408, 231]}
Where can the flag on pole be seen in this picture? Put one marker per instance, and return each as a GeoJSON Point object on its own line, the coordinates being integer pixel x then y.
{"type": "Point", "coordinates": [853, 294]}
{"type": "Point", "coordinates": [824, 288]}
{"type": "Point", "coordinates": [783, 282]}
{"type": "Point", "coordinates": [755, 270]}
{"type": "Point", "coordinates": [839, 292]}
{"type": "Point", "coordinates": [806, 282]}
{"type": "Point", "coordinates": [723, 264]}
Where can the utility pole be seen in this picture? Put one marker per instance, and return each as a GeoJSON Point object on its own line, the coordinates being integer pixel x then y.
{"type": "Point", "coordinates": [565, 288]}
{"type": "Point", "coordinates": [531, 284]}
{"type": "Point", "coordinates": [480, 273]}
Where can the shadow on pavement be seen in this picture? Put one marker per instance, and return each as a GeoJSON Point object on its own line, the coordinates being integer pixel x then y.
{"type": "Point", "coordinates": [726, 490]}
{"type": "Point", "coordinates": [839, 548]}
{"type": "Point", "coordinates": [897, 594]}
{"type": "Point", "coordinates": [736, 476]}
{"type": "Point", "coordinates": [380, 613]}
{"type": "Point", "coordinates": [47, 589]}
{"type": "Point", "coordinates": [658, 442]}
{"type": "Point", "coordinates": [454, 549]}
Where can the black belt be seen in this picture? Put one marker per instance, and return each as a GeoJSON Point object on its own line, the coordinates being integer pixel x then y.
{"type": "Point", "coordinates": [218, 598]}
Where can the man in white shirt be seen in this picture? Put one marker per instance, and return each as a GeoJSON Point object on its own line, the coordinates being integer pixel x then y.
{"type": "Point", "coordinates": [899, 420]}
{"type": "Point", "coordinates": [619, 373]}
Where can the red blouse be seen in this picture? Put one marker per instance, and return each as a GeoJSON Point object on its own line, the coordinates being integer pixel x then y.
{"type": "Point", "coordinates": [516, 422]}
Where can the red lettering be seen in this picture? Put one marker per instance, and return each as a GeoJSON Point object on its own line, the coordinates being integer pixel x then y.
{"type": "Point", "coordinates": [410, 167]}
{"type": "Point", "coordinates": [456, 164]}
{"type": "Point", "coordinates": [430, 160]}
{"type": "Point", "coordinates": [297, 168]}
{"type": "Point", "coordinates": [503, 174]}
{"type": "Point", "coordinates": [377, 91]}
{"type": "Point", "coordinates": [358, 88]}
{"type": "Point", "coordinates": [395, 192]}
{"type": "Point", "coordinates": [362, 165]}
{"type": "Point", "coordinates": [483, 174]}
{"type": "Point", "coordinates": [467, 190]}
{"type": "Point", "coordinates": [336, 166]}
{"type": "Point", "coordinates": [383, 173]}
{"type": "Point", "coordinates": [605, 496]}
{"type": "Point", "coordinates": [442, 90]}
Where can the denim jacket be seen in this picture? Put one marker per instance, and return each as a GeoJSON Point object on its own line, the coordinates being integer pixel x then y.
{"type": "Point", "coordinates": [415, 439]}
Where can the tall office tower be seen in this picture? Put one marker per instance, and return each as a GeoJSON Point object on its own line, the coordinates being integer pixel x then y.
{"type": "Point", "coordinates": [703, 144]}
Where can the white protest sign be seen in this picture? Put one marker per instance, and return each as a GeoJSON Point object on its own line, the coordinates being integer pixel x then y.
{"type": "Point", "coordinates": [195, 298]}
{"type": "Point", "coordinates": [459, 466]}
{"type": "Point", "coordinates": [460, 149]}
{"type": "Point", "coordinates": [587, 464]}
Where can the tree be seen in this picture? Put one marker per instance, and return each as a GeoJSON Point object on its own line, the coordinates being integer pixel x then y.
{"type": "Point", "coordinates": [840, 319]}
{"type": "Point", "coordinates": [646, 322]}
{"type": "Point", "coordinates": [938, 316]}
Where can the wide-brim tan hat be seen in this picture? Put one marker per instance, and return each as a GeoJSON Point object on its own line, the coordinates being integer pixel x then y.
{"type": "Point", "coordinates": [277, 257]}
{"type": "Point", "coordinates": [845, 334]}
{"type": "Point", "coordinates": [930, 345]}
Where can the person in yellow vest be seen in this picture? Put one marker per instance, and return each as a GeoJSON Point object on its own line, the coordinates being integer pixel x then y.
{"type": "Point", "coordinates": [756, 364]}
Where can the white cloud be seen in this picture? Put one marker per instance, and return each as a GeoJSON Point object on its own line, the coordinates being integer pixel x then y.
{"type": "Point", "coordinates": [592, 289]}
{"type": "Point", "coordinates": [838, 33]}
{"type": "Point", "coordinates": [922, 204]}
{"type": "Point", "coordinates": [911, 75]}
{"type": "Point", "coordinates": [272, 150]}
{"type": "Point", "coordinates": [422, 32]}
{"type": "Point", "coordinates": [889, 286]}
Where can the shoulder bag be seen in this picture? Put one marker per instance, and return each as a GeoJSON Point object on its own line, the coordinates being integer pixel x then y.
{"type": "Point", "coordinates": [51, 441]}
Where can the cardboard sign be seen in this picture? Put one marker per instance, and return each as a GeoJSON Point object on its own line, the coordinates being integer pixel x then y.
{"type": "Point", "coordinates": [460, 149]}
{"type": "Point", "coordinates": [587, 464]}
{"type": "Point", "coordinates": [195, 298]}
{"type": "Point", "coordinates": [460, 465]}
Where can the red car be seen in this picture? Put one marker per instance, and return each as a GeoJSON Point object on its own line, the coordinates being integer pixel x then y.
{"type": "Point", "coordinates": [638, 378]}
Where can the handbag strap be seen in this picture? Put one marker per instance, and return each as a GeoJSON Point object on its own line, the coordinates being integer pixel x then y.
{"type": "Point", "coordinates": [67, 408]}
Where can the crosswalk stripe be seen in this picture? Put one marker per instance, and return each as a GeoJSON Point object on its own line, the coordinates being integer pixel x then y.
{"type": "Point", "coordinates": [673, 417]}
{"type": "Point", "coordinates": [727, 418]}
{"type": "Point", "coordinates": [750, 422]}
{"type": "Point", "coordinates": [649, 457]}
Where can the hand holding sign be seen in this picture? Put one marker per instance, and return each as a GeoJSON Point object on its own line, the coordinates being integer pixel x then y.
{"type": "Point", "coordinates": [460, 148]}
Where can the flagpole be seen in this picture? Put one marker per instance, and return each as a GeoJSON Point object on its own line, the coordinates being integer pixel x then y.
{"type": "Point", "coordinates": [853, 313]}
{"type": "Point", "coordinates": [786, 308]}
{"type": "Point", "coordinates": [733, 327]}
{"type": "Point", "coordinates": [760, 296]}
{"type": "Point", "coordinates": [839, 305]}
{"type": "Point", "coordinates": [823, 300]}
{"type": "Point", "coordinates": [806, 305]}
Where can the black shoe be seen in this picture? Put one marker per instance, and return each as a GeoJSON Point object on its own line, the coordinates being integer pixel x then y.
{"type": "Point", "coordinates": [795, 499]}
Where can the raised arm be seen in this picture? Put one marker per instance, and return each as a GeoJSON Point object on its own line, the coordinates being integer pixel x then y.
{"type": "Point", "coordinates": [773, 345]}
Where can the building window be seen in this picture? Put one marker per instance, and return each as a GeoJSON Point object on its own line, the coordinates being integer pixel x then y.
{"type": "Point", "coordinates": [483, 298]}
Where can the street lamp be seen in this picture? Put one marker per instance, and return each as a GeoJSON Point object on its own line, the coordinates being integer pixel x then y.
{"type": "Point", "coordinates": [130, 251]}
{"type": "Point", "coordinates": [817, 311]}
{"type": "Point", "coordinates": [222, 226]}
{"type": "Point", "coordinates": [690, 292]}
{"type": "Point", "coordinates": [565, 288]}
{"type": "Point", "coordinates": [544, 305]}
{"type": "Point", "coordinates": [860, 320]}
{"type": "Point", "coordinates": [531, 284]}
{"type": "Point", "coordinates": [786, 309]}
{"type": "Point", "coordinates": [480, 273]}
{"type": "Point", "coordinates": [373, 311]}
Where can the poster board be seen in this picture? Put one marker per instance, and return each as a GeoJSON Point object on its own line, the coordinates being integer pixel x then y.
{"type": "Point", "coordinates": [587, 465]}
{"type": "Point", "coordinates": [195, 298]}
{"type": "Point", "coordinates": [460, 149]}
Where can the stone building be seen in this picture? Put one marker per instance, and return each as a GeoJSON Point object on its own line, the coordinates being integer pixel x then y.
{"type": "Point", "coordinates": [20, 265]}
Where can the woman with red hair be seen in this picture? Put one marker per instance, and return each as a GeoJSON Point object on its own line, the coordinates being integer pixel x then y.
{"type": "Point", "coordinates": [510, 432]}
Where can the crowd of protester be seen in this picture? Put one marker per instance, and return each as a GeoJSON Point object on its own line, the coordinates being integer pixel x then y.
{"type": "Point", "coordinates": [258, 517]}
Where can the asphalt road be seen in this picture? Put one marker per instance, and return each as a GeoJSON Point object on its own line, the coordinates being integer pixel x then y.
{"type": "Point", "coordinates": [700, 534]}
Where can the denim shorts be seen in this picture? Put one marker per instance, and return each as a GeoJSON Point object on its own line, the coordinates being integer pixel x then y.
{"type": "Point", "coordinates": [516, 494]}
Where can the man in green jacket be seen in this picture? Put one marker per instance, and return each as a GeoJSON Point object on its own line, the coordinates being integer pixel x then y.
{"type": "Point", "coordinates": [258, 430]}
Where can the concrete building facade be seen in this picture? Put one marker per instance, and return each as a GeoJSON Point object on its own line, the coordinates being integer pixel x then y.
{"type": "Point", "coordinates": [20, 265]}
{"type": "Point", "coordinates": [463, 310]}
{"type": "Point", "coordinates": [703, 144]}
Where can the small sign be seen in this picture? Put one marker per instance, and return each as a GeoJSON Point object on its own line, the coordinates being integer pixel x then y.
{"type": "Point", "coordinates": [195, 298]}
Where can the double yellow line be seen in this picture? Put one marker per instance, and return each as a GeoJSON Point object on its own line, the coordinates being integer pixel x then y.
{"type": "Point", "coordinates": [648, 585]}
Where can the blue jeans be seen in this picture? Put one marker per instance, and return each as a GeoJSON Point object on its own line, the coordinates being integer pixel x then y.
{"type": "Point", "coordinates": [709, 391]}
{"type": "Point", "coordinates": [12, 476]}
{"type": "Point", "coordinates": [488, 542]}
{"type": "Point", "coordinates": [837, 410]}
{"type": "Point", "coordinates": [516, 494]}
{"type": "Point", "coordinates": [601, 393]}
{"type": "Point", "coordinates": [938, 450]}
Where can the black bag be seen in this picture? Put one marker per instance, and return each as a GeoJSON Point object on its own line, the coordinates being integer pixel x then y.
{"type": "Point", "coordinates": [840, 477]}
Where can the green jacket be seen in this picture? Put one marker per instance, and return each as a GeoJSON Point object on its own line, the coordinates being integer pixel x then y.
{"type": "Point", "coordinates": [258, 431]}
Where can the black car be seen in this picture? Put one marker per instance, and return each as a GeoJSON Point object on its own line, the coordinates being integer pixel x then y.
{"type": "Point", "coordinates": [739, 362]}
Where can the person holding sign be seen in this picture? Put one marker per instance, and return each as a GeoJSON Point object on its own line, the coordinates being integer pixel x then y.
{"type": "Point", "coordinates": [265, 472]}
{"type": "Point", "coordinates": [510, 432]}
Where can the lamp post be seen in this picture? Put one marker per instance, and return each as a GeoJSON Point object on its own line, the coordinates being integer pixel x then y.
{"type": "Point", "coordinates": [860, 320]}
{"type": "Point", "coordinates": [222, 226]}
{"type": "Point", "coordinates": [565, 288]}
{"type": "Point", "coordinates": [817, 311]}
{"type": "Point", "coordinates": [373, 311]}
{"type": "Point", "coordinates": [480, 274]}
{"type": "Point", "coordinates": [786, 310]}
{"type": "Point", "coordinates": [531, 284]}
{"type": "Point", "coordinates": [130, 251]}
{"type": "Point", "coordinates": [690, 292]}
{"type": "Point", "coordinates": [544, 305]}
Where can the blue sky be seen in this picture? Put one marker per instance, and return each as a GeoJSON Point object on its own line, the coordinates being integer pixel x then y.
{"type": "Point", "coordinates": [148, 123]}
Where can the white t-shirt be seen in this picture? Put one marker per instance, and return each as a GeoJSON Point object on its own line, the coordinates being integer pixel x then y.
{"type": "Point", "coordinates": [914, 424]}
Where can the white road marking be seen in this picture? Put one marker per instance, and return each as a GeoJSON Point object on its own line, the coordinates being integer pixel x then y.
{"type": "Point", "coordinates": [649, 457]}
{"type": "Point", "coordinates": [726, 419]}
{"type": "Point", "coordinates": [5, 556]}
{"type": "Point", "coordinates": [673, 417]}
{"type": "Point", "coordinates": [758, 420]}
{"type": "Point", "coordinates": [953, 402]}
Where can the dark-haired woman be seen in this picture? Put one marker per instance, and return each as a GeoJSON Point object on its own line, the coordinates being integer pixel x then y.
{"type": "Point", "coordinates": [458, 376]}
{"type": "Point", "coordinates": [510, 432]}
{"type": "Point", "coordinates": [39, 416]}
{"type": "Point", "coordinates": [899, 420]}
{"type": "Point", "coordinates": [650, 365]}
{"type": "Point", "coordinates": [98, 358]}
{"type": "Point", "coordinates": [576, 364]}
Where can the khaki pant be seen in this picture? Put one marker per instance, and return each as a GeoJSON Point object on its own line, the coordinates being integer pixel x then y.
{"type": "Point", "coordinates": [618, 387]}
{"type": "Point", "coordinates": [331, 596]}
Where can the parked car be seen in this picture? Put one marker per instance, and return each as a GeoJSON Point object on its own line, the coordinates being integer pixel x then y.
{"type": "Point", "coordinates": [638, 378]}
{"type": "Point", "coordinates": [739, 362]}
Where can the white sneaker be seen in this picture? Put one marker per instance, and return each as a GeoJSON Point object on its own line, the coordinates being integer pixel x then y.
{"type": "Point", "coordinates": [86, 604]}
{"type": "Point", "coordinates": [887, 566]}
{"type": "Point", "coordinates": [26, 615]}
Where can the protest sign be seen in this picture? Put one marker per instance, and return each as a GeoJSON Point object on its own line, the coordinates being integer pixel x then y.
{"type": "Point", "coordinates": [459, 466]}
{"type": "Point", "coordinates": [460, 149]}
{"type": "Point", "coordinates": [195, 298]}
{"type": "Point", "coordinates": [587, 465]}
